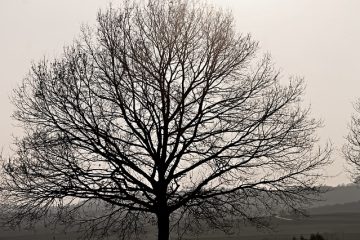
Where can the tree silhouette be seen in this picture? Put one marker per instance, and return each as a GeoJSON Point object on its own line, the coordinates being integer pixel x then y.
{"type": "Point", "coordinates": [161, 113]}
{"type": "Point", "coordinates": [351, 149]}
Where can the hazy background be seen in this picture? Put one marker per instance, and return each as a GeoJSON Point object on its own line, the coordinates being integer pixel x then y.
{"type": "Point", "coordinates": [315, 39]}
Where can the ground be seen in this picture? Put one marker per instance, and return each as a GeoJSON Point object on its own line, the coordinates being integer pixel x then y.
{"type": "Point", "coordinates": [336, 226]}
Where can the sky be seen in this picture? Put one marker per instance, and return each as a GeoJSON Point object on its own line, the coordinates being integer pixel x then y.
{"type": "Point", "coordinates": [318, 40]}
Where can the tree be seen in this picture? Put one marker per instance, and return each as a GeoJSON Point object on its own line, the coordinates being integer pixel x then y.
{"type": "Point", "coordinates": [163, 111]}
{"type": "Point", "coordinates": [351, 149]}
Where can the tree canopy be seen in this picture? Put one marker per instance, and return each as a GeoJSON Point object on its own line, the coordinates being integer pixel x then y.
{"type": "Point", "coordinates": [164, 110]}
{"type": "Point", "coordinates": [351, 148]}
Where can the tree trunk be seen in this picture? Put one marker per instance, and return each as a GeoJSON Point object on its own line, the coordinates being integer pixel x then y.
{"type": "Point", "coordinates": [163, 225]}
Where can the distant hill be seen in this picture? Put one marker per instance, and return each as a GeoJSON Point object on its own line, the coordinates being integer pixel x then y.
{"type": "Point", "coordinates": [352, 207]}
{"type": "Point", "coordinates": [340, 195]}
{"type": "Point", "coordinates": [340, 199]}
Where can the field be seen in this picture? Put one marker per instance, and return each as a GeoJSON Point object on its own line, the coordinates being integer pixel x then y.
{"type": "Point", "coordinates": [340, 226]}
{"type": "Point", "coordinates": [337, 226]}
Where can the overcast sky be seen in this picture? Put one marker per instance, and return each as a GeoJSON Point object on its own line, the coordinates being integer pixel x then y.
{"type": "Point", "coordinates": [315, 39]}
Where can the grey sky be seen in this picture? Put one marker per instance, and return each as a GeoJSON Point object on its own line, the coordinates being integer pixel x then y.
{"type": "Point", "coordinates": [318, 40]}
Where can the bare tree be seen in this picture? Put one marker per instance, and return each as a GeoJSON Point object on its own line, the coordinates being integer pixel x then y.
{"type": "Point", "coordinates": [351, 149]}
{"type": "Point", "coordinates": [162, 110]}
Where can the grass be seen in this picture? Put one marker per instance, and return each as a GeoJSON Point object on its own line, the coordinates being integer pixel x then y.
{"type": "Point", "coordinates": [340, 226]}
